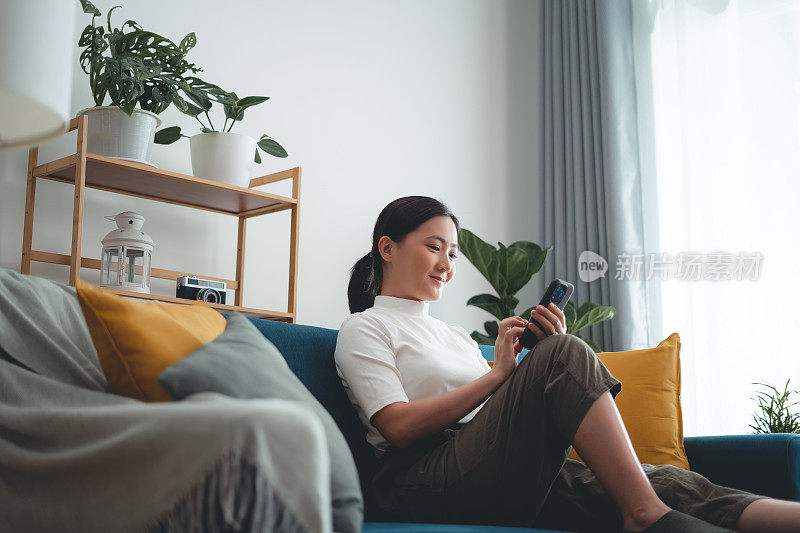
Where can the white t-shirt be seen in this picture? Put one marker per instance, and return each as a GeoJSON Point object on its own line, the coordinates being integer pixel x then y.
{"type": "Point", "coordinates": [396, 352]}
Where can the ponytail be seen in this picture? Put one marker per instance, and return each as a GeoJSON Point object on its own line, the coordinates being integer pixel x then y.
{"type": "Point", "coordinates": [364, 285]}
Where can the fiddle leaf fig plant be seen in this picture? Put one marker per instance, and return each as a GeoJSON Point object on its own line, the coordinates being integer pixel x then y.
{"type": "Point", "coordinates": [775, 416]}
{"type": "Point", "coordinates": [508, 269]}
{"type": "Point", "coordinates": [203, 94]}
{"type": "Point", "coordinates": [133, 66]}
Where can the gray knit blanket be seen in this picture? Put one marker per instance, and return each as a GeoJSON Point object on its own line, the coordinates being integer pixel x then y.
{"type": "Point", "coordinates": [74, 457]}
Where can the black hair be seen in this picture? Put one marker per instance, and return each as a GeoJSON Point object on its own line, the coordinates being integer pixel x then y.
{"type": "Point", "coordinates": [398, 219]}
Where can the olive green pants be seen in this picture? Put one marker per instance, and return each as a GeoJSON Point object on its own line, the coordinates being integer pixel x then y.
{"type": "Point", "coordinates": [508, 465]}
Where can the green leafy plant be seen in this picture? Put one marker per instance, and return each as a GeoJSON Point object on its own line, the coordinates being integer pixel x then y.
{"type": "Point", "coordinates": [510, 268]}
{"type": "Point", "coordinates": [203, 95]}
{"type": "Point", "coordinates": [133, 66]}
{"type": "Point", "coordinates": [775, 416]}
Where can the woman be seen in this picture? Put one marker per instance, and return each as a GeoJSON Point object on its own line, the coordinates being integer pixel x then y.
{"type": "Point", "coordinates": [461, 442]}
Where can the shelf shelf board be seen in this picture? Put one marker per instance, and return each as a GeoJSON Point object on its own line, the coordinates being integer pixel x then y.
{"type": "Point", "coordinates": [258, 313]}
{"type": "Point", "coordinates": [145, 181]}
{"type": "Point", "coordinates": [61, 259]}
{"type": "Point", "coordinates": [162, 273]}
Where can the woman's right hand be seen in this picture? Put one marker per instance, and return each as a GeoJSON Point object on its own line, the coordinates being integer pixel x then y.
{"type": "Point", "coordinates": [507, 346]}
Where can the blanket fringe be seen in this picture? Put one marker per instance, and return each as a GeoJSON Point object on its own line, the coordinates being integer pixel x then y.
{"type": "Point", "coordinates": [234, 496]}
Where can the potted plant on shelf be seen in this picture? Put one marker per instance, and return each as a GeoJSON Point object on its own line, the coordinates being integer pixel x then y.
{"type": "Point", "coordinates": [221, 155]}
{"type": "Point", "coordinates": [508, 270]}
{"type": "Point", "coordinates": [140, 72]}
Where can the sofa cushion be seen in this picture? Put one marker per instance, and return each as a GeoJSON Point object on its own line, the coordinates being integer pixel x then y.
{"type": "Point", "coordinates": [650, 401]}
{"type": "Point", "coordinates": [135, 340]}
{"type": "Point", "coordinates": [242, 363]}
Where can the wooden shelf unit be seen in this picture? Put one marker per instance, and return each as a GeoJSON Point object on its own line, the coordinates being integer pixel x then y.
{"type": "Point", "coordinates": [85, 170]}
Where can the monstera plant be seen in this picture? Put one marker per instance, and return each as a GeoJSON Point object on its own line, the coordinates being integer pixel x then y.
{"type": "Point", "coordinates": [510, 268]}
{"type": "Point", "coordinates": [132, 66]}
{"type": "Point", "coordinates": [142, 73]}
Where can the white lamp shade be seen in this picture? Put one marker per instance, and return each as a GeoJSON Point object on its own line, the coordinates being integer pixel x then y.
{"type": "Point", "coordinates": [37, 43]}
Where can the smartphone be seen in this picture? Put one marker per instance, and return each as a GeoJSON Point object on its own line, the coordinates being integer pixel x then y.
{"type": "Point", "coordinates": [558, 292]}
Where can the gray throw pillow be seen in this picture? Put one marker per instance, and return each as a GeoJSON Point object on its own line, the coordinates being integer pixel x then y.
{"type": "Point", "coordinates": [242, 363]}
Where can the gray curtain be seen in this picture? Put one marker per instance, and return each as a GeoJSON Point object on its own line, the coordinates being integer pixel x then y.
{"type": "Point", "coordinates": [591, 197]}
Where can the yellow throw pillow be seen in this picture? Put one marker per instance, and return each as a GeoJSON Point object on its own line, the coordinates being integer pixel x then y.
{"type": "Point", "coordinates": [650, 401]}
{"type": "Point", "coordinates": [136, 340]}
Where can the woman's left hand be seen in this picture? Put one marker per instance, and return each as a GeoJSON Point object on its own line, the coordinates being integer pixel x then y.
{"type": "Point", "coordinates": [551, 318]}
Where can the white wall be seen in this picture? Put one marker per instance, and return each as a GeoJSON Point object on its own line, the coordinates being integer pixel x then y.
{"type": "Point", "coordinates": [373, 99]}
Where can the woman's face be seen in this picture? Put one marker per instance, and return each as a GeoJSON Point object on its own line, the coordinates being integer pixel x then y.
{"type": "Point", "coordinates": [409, 266]}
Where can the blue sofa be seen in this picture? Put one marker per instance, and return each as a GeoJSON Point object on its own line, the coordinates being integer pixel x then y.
{"type": "Point", "coordinates": [767, 464]}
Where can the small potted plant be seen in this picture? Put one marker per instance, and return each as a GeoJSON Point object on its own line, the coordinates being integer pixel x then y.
{"type": "Point", "coordinates": [140, 72]}
{"type": "Point", "coordinates": [221, 155]}
{"type": "Point", "coordinates": [510, 268]}
{"type": "Point", "coordinates": [775, 416]}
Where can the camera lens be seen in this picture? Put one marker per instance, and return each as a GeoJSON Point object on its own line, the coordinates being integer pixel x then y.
{"type": "Point", "coordinates": [208, 295]}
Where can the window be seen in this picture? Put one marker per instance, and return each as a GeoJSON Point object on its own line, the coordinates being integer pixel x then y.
{"type": "Point", "coordinates": [718, 90]}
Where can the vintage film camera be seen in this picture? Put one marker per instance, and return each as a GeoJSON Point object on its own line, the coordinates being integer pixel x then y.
{"type": "Point", "coordinates": [194, 288]}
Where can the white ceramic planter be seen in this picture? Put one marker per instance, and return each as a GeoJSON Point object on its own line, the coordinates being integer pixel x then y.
{"type": "Point", "coordinates": [115, 134]}
{"type": "Point", "coordinates": [223, 156]}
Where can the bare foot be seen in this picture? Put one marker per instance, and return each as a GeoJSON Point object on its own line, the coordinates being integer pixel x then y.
{"type": "Point", "coordinates": [641, 520]}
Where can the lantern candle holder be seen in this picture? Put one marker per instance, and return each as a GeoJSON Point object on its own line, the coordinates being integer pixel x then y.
{"type": "Point", "coordinates": [127, 255]}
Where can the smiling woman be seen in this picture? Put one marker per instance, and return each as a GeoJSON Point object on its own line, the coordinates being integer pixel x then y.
{"type": "Point", "coordinates": [414, 248]}
{"type": "Point", "coordinates": [458, 441]}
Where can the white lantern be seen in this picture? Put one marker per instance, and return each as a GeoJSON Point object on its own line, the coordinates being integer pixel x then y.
{"type": "Point", "coordinates": [127, 254]}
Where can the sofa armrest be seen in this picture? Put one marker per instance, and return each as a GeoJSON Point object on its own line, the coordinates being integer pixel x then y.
{"type": "Point", "coordinates": [767, 464]}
